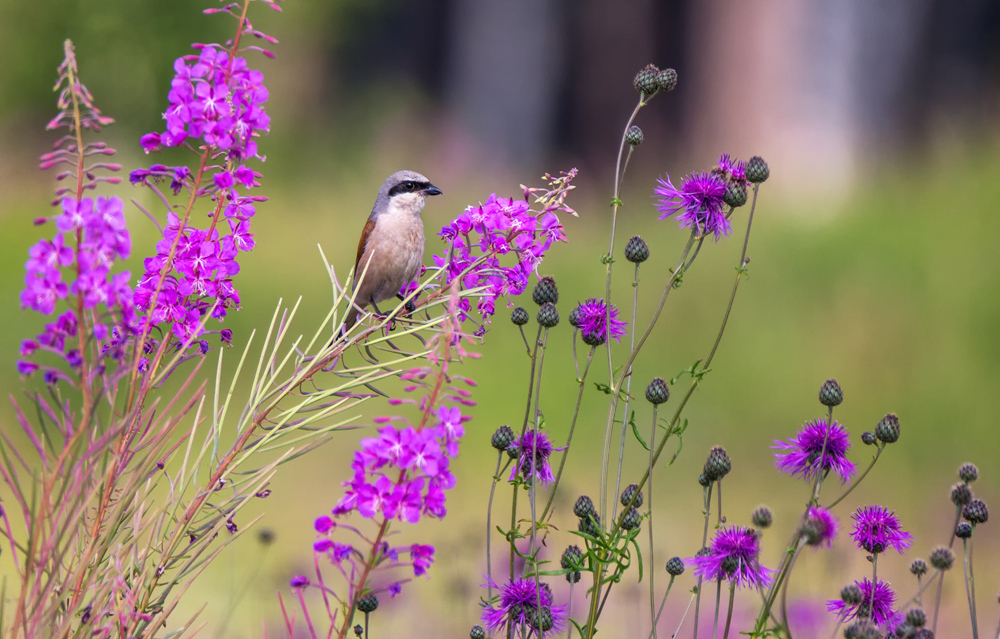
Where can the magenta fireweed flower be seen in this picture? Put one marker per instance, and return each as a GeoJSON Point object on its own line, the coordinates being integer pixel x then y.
{"type": "Point", "coordinates": [592, 319]}
{"type": "Point", "coordinates": [542, 449]}
{"type": "Point", "coordinates": [876, 528]}
{"type": "Point", "coordinates": [877, 599]}
{"type": "Point", "coordinates": [519, 607]}
{"type": "Point", "coordinates": [804, 451]}
{"type": "Point", "coordinates": [697, 203]}
{"type": "Point", "coordinates": [822, 525]}
{"type": "Point", "coordinates": [733, 555]}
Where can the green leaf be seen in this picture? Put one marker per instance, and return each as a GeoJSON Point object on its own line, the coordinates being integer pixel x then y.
{"type": "Point", "coordinates": [635, 431]}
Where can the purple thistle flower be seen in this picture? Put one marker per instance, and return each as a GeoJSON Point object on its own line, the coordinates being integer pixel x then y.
{"type": "Point", "coordinates": [876, 528]}
{"type": "Point", "coordinates": [877, 599]}
{"type": "Point", "coordinates": [519, 601]}
{"type": "Point", "coordinates": [542, 449]}
{"type": "Point", "coordinates": [592, 318]}
{"type": "Point", "coordinates": [823, 527]}
{"type": "Point", "coordinates": [733, 168]}
{"type": "Point", "coordinates": [804, 450]}
{"type": "Point", "coordinates": [698, 203]}
{"type": "Point", "coordinates": [733, 555]}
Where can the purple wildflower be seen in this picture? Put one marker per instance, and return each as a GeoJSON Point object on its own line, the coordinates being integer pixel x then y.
{"type": "Point", "coordinates": [733, 555]}
{"type": "Point", "coordinates": [592, 319]}
{"type": "Point", "coordinates": [423, 557]}
{"type": "Point", "coordinates": [877, 599]}
{"type": "Point", "coordinates": [804, 451]}
{"type": "Point", "coordinates": [822, 525]}
{"type": "Point", "coordinates": [542, 449]}
{"type": "Point", "coordinates": [876, 528]}
{"type": "Point", "coordinates": [731, 167]}
{"type": "Point", "coordinates": [299, 581]}
{"type": "Point", "coordinates": [698, 203]}
{"type": "Point", "coordinates": [519, 604]}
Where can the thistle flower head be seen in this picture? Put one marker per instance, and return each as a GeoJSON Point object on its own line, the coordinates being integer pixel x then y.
{"type": "Point", "coordinates": [522, 604]}
{"type": "Point", "coordinates": [820, 527]}
{"type": "Point", "coordinates": [698, 203]}
{"type": "Point", "coordinates": [594, 319]}
{"type": "Point", "coordinates": [877, 528]}
{"type": "Point", "coordinates": [806, 456]}
{"type": "Point", "coordinates": [733, 555]}
{"type": "Point", "coordinates": [876, 603]}
{"type": "Point", "coordinates": [538, 449]}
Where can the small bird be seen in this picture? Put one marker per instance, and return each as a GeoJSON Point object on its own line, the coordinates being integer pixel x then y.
{"type": "Point", "coordinates": [392, 243]}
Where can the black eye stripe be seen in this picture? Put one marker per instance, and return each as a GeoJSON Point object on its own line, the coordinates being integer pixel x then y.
{"type": "Point", "coordinates": [401, 187]}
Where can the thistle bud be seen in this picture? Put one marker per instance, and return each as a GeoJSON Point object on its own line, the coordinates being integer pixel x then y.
{"type": "Point", "coordinates": [888, 429]}
{"type": "Point", "coordinates": [942, 558]}
{"type": "Point", "coordinates": [675, 566]}
{"type": "Point", "coordinates": [757, 170]}
{"type": "Point", "coordinates": [502, 438]}
{"type": "Point", "coordinates": [916, 617]}
{"type": "Point", "coordinates": [963, 530]}
{"type": "Point", "coordinates": [368, 603]}
{"type": "Point", "coordinates": [572, 558]}
{"type": "Point", "coordinates": [548, 315]}
{"type": "Point", "coordinates": [630, 519]}
{"type": "Point", "coordinates": [657, 392]}
{"type": "Point", "coordinates": [961, 494]}
{"type": "Point", "coordinates": [703, 481]}
{"type": "Point", "coordinates": [477, 632]}
{"type": "Point", "coordinates": [647, 80]}
{"type": "Point", "coordinates": [574, 317]}
{"type": "Point", "coordinates": [545, 291]}
{"type": "Point", "coordinates": [519, 316]}
{"type": "Point", "coordinates": [968, 473]}
{"type": "Point", "coordinates": [666, 80]}
{"type": "Point", "coordinates": [975, 512]}
{"type": "Point", "coordinates": [868, 438]}
{"type": "Point", "coordinates": [636, 250]}
{"type": "Point", "coordinates": [918, 567]}
{"type": "Point", "coordinates": [584, 507]}
{"type": "Point", "coordinates": [851, 595]}
{"type": "Point", "coordinates": [631, 492]}
{"type": "Point", "coordinates": [541, 619]}
{"type": "Point", "coordinates": [634, 136]}
{"type": "Point", "coordinates": [735, 195]}
{"type": "Point", "coordinates": [830, 393]}
{"type": "Point", "coordinates": [718, 464]}
{"type": "Point", "coordinates": [590, 525]}
{"type": "Point", "coordinates": [762, 517]}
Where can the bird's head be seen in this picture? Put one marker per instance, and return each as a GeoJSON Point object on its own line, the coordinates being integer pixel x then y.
{"type": "Point", "coordinates": [406, 190]}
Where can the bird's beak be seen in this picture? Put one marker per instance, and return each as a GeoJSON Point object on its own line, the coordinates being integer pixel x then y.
{"type": "Point", "coordinates": [432, 190]}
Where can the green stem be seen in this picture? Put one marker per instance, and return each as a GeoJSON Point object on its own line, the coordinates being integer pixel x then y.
{"type": "Point", "coordinates": [729, 614]}
{"type": "Point", "coordinates": [656, 619]}
{"type": "Point", "coordinates": [704, 540]}
{"type": "Point", "coordinates": [489, 527]}
{"type": "Point", "coordinates": [718, 601]}
{"type": "Point", "coordinates": [628, 391]}
{"type": "Point", "coordinates": [854, 484]}
{"type": "Point", "coordinates": [653, 616]}
{"type": "Point", "coordinates": [970, 586]}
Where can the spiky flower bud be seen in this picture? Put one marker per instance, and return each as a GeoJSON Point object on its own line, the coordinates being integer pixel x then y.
{"type": "Point", "coordinates": [888, 429]}
{"type": "Point", "coordinates": [584, 506]}
{"type": "Point", "coordinates": [963, 530]}
{"type": "Point", "coordinates": [590, 525]}
{"type": "Point", "coordinates": [675, 566]}
{"type": "Point", "coordinates": [868, 438]}
{"type": "Point", "coordinates": [735, 194]}
{"type": "Point", "coordinates": [646, 81]}
{"type": "Point", "coordinates": [630, 519]}
{"type": "Point", "coordinates": [358, 630]}
{"type": "Point", "coordinates": [574, 317]}
{"type": "Point", "coordinates": [633, 136]}
{"type": "Point", "coordinates": [961, 494]}
{"type": "Point", "coordinates": [975, 512]}
{"type": "Point", "coordinates": [863, 629]}
{"type": "Point", "coordinates": [541, 619]}
{"type": "Point", "coordinates": [968, 472]}
{"type": "Point", "coordinates": [572, 558]}
{"type": "Point", "coordinates": [636, 250]}
{"type": "Point", "coordinates": [519, 316]}
{"type": "Point", "coordinates": [368, 603]}
{"type": "Point", "coordinates": [502, 438]}
{"type": "Point", "coordinates": [830, 393]}
{"type": "Point", "coordinates": [657, 392]}
{"type": "Point", "coordinates": [631, 491]}
{"type": "Point", "coordinates": [477, 632]}
{"type": "Point", "coordinates": [545, 291]}
{"type": "Point", "coordinates": [942, 558]}
{"type": "Point", "coordinates": [513, 451]}
{"type": "Point", "coordinates": [762, 517]}
{"type": "Point", "coordinates": [574, 577]}
{"type": "Point", "coordinates": [666, 80]}
{"type": "Point", "coordinates": [918, 567]}
{"type": "Point", "coordinates": [703, 481]}
{"type": "Point", "coordinates": [757, 170]}
{"type": "Point", "coordinates": [718, 465]}
{"type": "Point", "coordinates": [916, 617]}
{"type": "Point", "coordinates": [548, 315]}
{"type": "Point", "coordinates": [851, 595]}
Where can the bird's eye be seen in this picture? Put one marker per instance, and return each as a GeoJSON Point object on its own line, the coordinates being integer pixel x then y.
{"type": "Point", "coordinates": [409, 185]}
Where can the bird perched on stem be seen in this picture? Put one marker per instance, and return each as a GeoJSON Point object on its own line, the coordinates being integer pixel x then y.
{"type": "Point", "coordinates": [391, 248]}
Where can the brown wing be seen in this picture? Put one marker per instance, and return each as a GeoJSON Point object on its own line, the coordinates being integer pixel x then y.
{"type": "Point", "coordinates": [369, 227]}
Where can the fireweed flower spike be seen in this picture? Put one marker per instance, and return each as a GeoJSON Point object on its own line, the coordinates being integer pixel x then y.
{"type": "Point", "coordinates": [803, 451]}
{"type": "Point", "coordinates": [877, 528]}
{"type": "Point", "coordinates": [518, 608]}
{"type": "Point", "coordinates": [592, 319]}
{"type": "Point", "coordinates": [734, 555]}
{"type": "Point", "coordinates": [878, 598]}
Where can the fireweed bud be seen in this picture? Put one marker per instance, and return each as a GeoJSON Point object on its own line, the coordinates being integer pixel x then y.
{"type": "Point", "coordinates": [975, 512]}
{"type": "Point", "coordinates": [519, 316]}
{"type": "Point", "coordinates": [961, 494]}
{"type": "Point", "coordinates": [916, 617]}
{"type": "Point", "coordinates": [502, 438]}
{"type": "Point", "coordinates": [630, 519]}
{"type": "Point", "coordinates": [675, 566]}
{"type": "Point", "coordinates": [888, 429]}
{"type": "Point", "coordinates": [477, 632]}
{"type": "Point", "coordinates": [572, 558]}
{"type": "Point", "coordinates": [646, 81]}
{"type": "Point", "coordinates": [548, 315]}
{"type": "Point", "coordinates": [942, 558]}
{"type": "Point", "coordinates": [368, 603]}
{"type": "Point", "coordinates": [657, 392]}
{"type": "Point", "coordinates": [851, 595]}
{"type": "Point", "coordinates": [762, 517]}
{"type": "Point", "coordinates": [735, 194]}
{"type": "Point", "coordinates": [590, 525]}
{"type": "Point", "coordinates": [636, 250]}
{"type": "Point", "coordinates": [830, 393]}
{"type": "Point", "coordinates": [918, 567]}
{"type": "Point", "coordinates": [718, 465]}
{"type": "Point", "coordinates": [545, 291]}
{"type": "Point", "coordinates": [584, 507]}
{"type": "Point", "coordinates": [574, 317]}
{"type": "Point", "coordinates": [666, 80]}
{"type": "Point", "coordinates": [868, 438]}
{"type": "Point", "coordinates": [963, 530]}
{"type": "Point", "coordinates": [631, 491]}
{"type": "Point", "coordinates": [703, 481]}
{"type": "Point", "coordinates": [968, 473]}
{"type": "Point", "coordinates": [633, 136]}
{"type": "Point", "coordinates": [757, 170]}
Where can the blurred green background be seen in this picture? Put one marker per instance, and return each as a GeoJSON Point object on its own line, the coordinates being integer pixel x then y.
{"type": "Point", "coordinates": [874, 254]}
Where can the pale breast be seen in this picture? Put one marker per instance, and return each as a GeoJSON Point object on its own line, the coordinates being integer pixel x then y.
{"type": "Point", "coordinates": [396, 246]}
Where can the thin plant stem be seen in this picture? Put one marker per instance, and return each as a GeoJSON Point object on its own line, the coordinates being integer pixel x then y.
{"type": "Point", "coordinates": [569, 610]}
{"type": "Point", "coordinates": [784, 591]}
{"type": "Point", "coordinates": [704, 540]}
{"type": "Point", "coordinates": [533, 484]}
{"type": "Point", "coordinates": [729, 613]}
{"type": "Point", "coordinates": [718, 515]}
{"type": "Point", "coordinates": [517, 462]}
{"type": "Point", "coordinates": [649, 495]}
{"type": "Point", "coordinates": [970, 585]}
{"type": "Point", "coordinates": [489, 527]}
{"type": "Point", "coordinates": [683, 617]}
{"type": "Point", "coordinates": [659, 611]}
{"type": "Point", "coordinates": [840, 622]}
{"type": "Point", "coordinates": [854, 484]}
{"type": "Point", "coordinates": [718, 602]}
{"type": "Point", "coordinates": [628, 389]}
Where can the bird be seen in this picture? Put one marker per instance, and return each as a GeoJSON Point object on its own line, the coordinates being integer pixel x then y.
{"type": "Point", "coordinates": [391, 248]}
